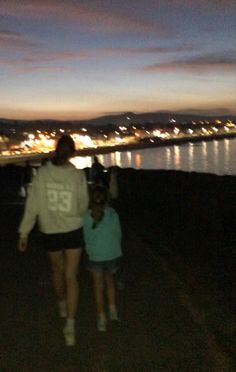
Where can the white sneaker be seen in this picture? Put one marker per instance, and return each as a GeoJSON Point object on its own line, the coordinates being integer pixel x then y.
{"type": "Point", "coordinates": [113, 315]}
{"type": "Point", "coordinates": [102, 324]}
{"type": "Point", "coordinates": [69, 335]}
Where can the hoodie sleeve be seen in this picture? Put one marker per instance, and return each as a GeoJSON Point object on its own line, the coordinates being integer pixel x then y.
{"type": "Point", "coordinates": [82, 193]}
{"type": "Point", "coordinates": [31, 209]}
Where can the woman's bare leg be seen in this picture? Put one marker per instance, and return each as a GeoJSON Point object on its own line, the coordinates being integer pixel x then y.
{"type": "Point", "coordinates": [58, 273]}
{"type": "Point", "coordinates": [72, 260]}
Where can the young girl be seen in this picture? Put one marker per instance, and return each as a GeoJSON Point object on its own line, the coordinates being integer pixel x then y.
{"type": "Point", "coordinates": [102, 235]}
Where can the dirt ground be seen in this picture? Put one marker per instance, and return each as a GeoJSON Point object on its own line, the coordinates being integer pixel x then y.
{"type": "Point", "coordinates": [165, 317]}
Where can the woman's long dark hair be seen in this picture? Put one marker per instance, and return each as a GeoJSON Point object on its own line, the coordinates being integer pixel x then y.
{"type": "Point", "coordinates": [65, 149]}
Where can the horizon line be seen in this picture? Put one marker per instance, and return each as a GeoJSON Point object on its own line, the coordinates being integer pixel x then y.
{"type": "Point", "coordinates": [193, 112]}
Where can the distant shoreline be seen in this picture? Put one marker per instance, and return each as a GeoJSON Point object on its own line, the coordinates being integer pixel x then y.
{"type": "Point", "coordinates": [147, 144]}
{"type": "Point", "coordinates": [143, 144]}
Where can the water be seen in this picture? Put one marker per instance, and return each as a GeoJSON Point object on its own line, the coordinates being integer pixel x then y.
{"type": "Point", "coordinates": [217, 156]}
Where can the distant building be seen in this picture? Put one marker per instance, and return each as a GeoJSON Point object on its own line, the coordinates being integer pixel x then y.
{"type": "Point", "coordinates": [4, 141]}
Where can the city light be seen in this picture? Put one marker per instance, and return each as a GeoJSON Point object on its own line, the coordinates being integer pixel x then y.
{"type": "Point", "coordinates": [41, 141]}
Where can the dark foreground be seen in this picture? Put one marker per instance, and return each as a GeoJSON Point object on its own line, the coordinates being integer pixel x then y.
{"type": "Point", "coordinates": [177, 303]}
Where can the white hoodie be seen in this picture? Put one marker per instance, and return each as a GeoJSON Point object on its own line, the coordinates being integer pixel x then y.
{"type": "Point", "coordinates": [58, 198]}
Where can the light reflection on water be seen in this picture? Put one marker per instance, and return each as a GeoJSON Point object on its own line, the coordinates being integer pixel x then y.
{"type": "Point", "coordinates": [190, 156]}
{"type": "Point", "coordinates": [129, 158]}
{"type": "Point", "coordinates": [217, 157]}
{"type": "Point", "coordinates": [177, 157]}
{"type": "Point", "coordinates": [168, 158]}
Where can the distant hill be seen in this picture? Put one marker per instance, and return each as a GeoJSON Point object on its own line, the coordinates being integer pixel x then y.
{"type": "Point", "coordinates": [117, 119]}
{"type": "Point", "coordinates": [154, 117]}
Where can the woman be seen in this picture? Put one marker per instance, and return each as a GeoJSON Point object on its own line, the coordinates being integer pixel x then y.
{"type": "Point", "coordinates": [58, 199]}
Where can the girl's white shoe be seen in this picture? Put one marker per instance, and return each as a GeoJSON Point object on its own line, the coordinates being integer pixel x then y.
{"type": "Point", "coordinates": [102, 324]}
{"type": "Point", "coordinates": [69, 335]}
{"type": "Point", "coordinates": [113, 315]}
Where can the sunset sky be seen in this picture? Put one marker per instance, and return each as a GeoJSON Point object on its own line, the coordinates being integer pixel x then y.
{"type": "Point", "coordinates": [77, 59]}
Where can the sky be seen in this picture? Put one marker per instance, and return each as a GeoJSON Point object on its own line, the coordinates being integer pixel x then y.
{"type": "Point", "coordinates": [78, 59]}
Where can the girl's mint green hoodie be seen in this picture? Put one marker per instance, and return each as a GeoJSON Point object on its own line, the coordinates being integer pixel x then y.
{"type": "Point", "coordinates": [58, 199]}
{"type": "Point", "coordinates": [103, 243]}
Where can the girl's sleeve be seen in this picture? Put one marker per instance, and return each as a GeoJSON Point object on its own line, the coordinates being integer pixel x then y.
{"type": "Point", "coordinates": [31, 209]}
{"type": "Point", "coordinates": [83, 193]}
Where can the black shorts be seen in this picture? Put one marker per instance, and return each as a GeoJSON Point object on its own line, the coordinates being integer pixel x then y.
{"type": "Point", "coordinates": [60, 241]}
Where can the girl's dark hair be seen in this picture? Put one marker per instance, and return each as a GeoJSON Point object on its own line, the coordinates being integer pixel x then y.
{"type": "Point", "coordinates": [64, 150]}
{"type": "Point", "coordinates": [98, 199]}
{"type": "Point", "coordinates": [99, 195]}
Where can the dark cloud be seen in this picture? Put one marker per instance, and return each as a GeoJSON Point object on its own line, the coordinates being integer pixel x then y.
{"type": "Point", "coordinates": [91, 15]}
{"type": "Point", "coordinates": [204, 4]}
{"type": "Point", "coordinates": [224, 61]}
{"type": "Point", "coordinates": [214, 3]}
{"type": "Point", "coordinates": [218, 111]}
{"type": "Point", "coordinates": [27, 67]}
{"type": "Point", "coordinates": [14, 40]}
{"type": "Point", "coordinates": [33, 61]}
{"type": "Point", "coordinates": [158, 50]}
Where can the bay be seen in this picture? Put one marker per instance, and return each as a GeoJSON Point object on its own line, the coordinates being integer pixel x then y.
{"type": "Point", "coordinates": [217, 157]}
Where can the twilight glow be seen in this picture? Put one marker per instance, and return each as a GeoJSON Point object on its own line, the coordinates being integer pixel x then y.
{"type": "Point", "coordinates": [77, 59]}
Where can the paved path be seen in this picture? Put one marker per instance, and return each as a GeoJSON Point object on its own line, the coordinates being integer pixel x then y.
{"type": "Point", "coordinates": [160, 331]}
